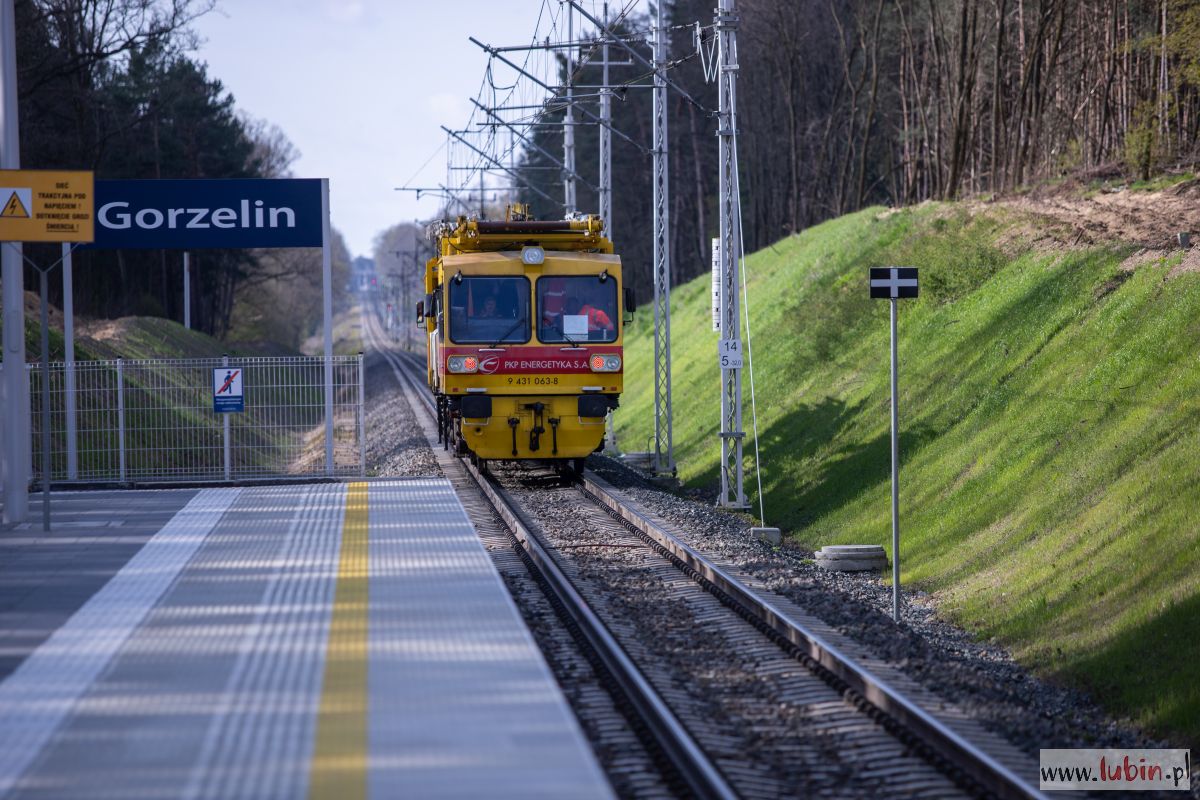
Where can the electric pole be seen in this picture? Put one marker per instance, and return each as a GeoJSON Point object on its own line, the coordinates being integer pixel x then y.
{"type": "Point", "coordinates": [664, 457]}
{"type": "Point", "coordinates": [569, 130]}
{"type": "Point", "coordinates": [732, 435]}
{"type": "Point", "coordinates": [605, 191]}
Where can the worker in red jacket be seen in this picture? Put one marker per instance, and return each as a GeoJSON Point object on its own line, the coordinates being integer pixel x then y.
{"type": "Point", "coordinates": [598, 320]}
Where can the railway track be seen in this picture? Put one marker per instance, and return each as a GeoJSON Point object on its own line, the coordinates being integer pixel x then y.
{"type": "Point", "coordinates": [846, 729]}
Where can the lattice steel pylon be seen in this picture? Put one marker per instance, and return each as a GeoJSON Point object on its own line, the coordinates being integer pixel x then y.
{"type": "Point", "coordinates": [604, 193]}
{"type": "Point", "coordinates": [664, 456]}
{"type": "Point", "coordinates": [569, 128]}
{"type": "Point", "coordinates": [605, 182]}
{"type": "Point", "coordinates": [732, 435]}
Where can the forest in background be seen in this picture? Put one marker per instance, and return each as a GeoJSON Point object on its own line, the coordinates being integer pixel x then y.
{"type": "Point", "coordinates": [848, 103]}
{"type": "Point", "coordinates": [110, 86]}
{"type": "Point", "coordinates": [842, 104]}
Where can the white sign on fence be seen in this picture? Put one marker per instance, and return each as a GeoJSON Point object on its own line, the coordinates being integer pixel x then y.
{"type": "Point", "coordinates": [228, 393]}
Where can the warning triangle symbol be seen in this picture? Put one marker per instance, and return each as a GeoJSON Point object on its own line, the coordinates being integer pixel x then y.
{"type": "Point", "coordinates": [14, 207]}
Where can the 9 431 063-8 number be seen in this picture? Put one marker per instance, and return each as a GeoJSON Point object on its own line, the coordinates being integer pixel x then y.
{"type": "Point", "coordinates": [536, 380]}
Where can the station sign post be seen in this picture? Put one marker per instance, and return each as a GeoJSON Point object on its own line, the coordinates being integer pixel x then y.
{"type": "Point", "coordinates": [894, 283]}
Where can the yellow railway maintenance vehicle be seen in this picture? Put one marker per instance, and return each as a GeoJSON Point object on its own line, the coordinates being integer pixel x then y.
{"type": "Point", "coordinates": [525, 322]}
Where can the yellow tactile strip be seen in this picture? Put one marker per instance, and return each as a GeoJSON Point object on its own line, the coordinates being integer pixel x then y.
{"type": "Point", "coordinates": [339, 763]}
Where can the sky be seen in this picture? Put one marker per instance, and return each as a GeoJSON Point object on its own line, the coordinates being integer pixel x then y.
{"type": "Point", "coordinates": [361, 87]}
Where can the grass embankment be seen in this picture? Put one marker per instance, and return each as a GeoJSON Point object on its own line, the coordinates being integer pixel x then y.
{"type": "Point", "coordinates": [129, 338]}
{"type": "Point", "coordinates": [1050, 425]}
{"type": "Point", "coordinates": [347, 335]}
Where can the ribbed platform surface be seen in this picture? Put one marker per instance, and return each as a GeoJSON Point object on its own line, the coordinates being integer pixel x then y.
{"type": "Point", "coordinates": [333, 640]}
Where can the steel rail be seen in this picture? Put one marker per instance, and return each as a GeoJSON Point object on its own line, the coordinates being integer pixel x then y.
{"type": "Point", "coordinates": [694, 767]}
{"type": "Point", "coordinates": [981, 767]}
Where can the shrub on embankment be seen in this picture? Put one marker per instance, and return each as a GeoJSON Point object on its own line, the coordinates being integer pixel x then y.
{"type": "Point", "coordinates": [1050, 425]}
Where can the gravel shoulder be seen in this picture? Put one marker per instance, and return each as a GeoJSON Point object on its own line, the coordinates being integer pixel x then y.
{"type": "Point", "coordinates": [396, 447]}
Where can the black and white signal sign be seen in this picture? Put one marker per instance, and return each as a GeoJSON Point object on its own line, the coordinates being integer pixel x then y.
{"type": "Point", "coordinates": [891, 282]}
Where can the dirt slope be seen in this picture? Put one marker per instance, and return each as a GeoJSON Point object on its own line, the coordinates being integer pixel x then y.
{"type": "Point", "coordinates": [1150, 219]}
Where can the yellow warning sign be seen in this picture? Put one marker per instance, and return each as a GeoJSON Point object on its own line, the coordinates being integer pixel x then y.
{"type": "Point", "coordinates": [17, 205]}
{"type": "Point", "coordinates": [46, 206]}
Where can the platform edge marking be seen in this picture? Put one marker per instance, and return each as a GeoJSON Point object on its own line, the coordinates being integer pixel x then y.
{"type": "Point", "coordinates": [339, 761]}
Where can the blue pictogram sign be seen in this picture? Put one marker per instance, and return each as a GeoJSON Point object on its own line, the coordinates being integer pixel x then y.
{"type": "Point", "coordinates": [228, 393]}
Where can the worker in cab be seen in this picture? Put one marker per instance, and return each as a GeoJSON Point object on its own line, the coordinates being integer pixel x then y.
{"type": "Point", "coordinates": [597, 320]}
{"type": "Point", "coordinates": [488, 311]}
{"type": "Point", "coordinates": [597, 314]}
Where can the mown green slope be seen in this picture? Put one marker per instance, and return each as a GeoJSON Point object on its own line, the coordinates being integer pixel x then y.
{"type": "Point", "coordinates": [1050, 434]}
{"type": "Point", "coordinates": [130, 338]}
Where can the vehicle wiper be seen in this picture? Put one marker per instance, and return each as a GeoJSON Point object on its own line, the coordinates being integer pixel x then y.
{"type": "Point", "coordinates": [504, 335]}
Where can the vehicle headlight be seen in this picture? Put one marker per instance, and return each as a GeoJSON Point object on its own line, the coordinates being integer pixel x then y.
{"type": "Point", "coordinates": [462, 364]}
{"type": "Point", "coordinates": [605, 363]}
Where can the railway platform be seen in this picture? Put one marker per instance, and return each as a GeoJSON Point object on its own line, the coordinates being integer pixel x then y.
{"type": "Point", "coordinates": [321, 640]}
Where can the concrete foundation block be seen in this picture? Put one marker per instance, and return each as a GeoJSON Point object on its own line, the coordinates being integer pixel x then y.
{"type": "Point", "coordinates": [769, 535]}
{"type": "Point", "coordinates": [852, 557]}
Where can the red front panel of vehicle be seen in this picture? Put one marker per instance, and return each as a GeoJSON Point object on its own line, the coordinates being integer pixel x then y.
{"type": "Point", "coordinates": [534, 360]}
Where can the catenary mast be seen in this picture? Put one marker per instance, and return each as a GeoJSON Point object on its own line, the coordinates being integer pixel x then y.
{"type": "Point", "coordinates": [664, 457]}
{"type": "Point", "coordinates": [732, 435]}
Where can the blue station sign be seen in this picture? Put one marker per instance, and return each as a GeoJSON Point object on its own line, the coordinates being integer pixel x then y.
{"type": "Point", "coordinates": [202, 213]}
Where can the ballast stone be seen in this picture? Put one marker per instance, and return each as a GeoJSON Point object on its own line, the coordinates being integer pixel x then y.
{"type": "Point", "coordinates": [852, 557]}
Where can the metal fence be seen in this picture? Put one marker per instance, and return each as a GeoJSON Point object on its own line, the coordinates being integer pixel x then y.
{"type": "Point", "coordinates": [153, 420]}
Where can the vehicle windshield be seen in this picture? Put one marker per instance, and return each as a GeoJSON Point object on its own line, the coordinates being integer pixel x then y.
{"type": "Point", "coordinates": [489, 310]}
{"type": "Point", "coordinates": [577, 308]}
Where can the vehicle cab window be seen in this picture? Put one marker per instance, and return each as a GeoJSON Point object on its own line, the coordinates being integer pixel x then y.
{"type": "Point", "coordinates": [577, 308]}
{"type": "Point", "coordinates": [486, 310]}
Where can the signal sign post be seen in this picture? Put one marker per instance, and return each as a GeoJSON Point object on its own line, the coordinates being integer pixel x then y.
{"type": "Point", "coordinates": [894, 283]}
